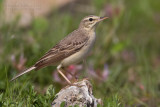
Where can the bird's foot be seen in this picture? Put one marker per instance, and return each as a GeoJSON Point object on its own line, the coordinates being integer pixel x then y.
{"type": "Point", "coordinates": [77, 85]}
{"type": "Point", "coordinates": [75, 79]}
{"type": "Point", "coordinates": [86, 79]}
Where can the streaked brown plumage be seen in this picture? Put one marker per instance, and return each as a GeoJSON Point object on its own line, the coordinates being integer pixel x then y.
{"type": "Point", "coordinates": [66, 47]}
{"type": "Point", "coordinates": [72, 49]}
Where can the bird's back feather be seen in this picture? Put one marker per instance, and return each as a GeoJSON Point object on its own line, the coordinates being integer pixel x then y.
{"type": "Point", "coordinates": [66, 47]}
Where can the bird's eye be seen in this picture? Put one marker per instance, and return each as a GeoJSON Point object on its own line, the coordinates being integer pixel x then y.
{"type": "Point", "coordinates": [90, 19]}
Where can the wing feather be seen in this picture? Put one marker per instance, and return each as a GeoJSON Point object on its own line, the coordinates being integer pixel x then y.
{"type": "Point", "coordinates": [63, 49]}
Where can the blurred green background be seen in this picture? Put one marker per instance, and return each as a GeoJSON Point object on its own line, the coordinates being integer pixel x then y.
{"type": "Point", "coordinates": [124, 66]}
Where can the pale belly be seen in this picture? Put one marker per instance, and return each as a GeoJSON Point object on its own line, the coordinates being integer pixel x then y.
{"type": "Point", "coordinates": [79, 56]}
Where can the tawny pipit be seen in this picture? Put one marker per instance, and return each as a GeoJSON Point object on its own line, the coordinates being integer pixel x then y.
{"type": "Point", "coordinates": [72, 49]}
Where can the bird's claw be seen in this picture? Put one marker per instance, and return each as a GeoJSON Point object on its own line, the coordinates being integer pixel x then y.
{"type": "Point", "coordinates": [77, 85]}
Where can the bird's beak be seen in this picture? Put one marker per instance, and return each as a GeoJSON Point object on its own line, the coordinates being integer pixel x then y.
{"type": "Point", "coordinates": [102, 18]}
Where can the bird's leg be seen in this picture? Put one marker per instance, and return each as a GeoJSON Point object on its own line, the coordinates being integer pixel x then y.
{"type": "Point", "coordinates": [74, 76]}
{"type": "Point", "coordinates": [58, 68]}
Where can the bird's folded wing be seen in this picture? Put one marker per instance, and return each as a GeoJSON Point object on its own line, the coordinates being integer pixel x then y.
{"type": "Point", "coordinates": [61, 51]}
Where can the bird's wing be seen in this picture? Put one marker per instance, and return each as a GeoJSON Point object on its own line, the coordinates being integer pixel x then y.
{"type": "Point", "coordinates": [63, 49]}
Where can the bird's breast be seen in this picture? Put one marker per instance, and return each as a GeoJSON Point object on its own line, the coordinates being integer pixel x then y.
{"type": "Point", "coordinates": [80, 55]}
{"type": "Point", "coordinates": [90, 43]}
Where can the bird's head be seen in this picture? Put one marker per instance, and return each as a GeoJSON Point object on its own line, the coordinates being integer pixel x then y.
{"type": "Point", "coordinates": [90, 22]}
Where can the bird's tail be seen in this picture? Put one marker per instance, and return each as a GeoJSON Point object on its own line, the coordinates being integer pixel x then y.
{"type": "Point", "coordinates": [24, 72]}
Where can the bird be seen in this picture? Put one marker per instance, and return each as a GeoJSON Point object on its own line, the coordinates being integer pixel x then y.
{"type": "Point", "coordinates": [71, 50]}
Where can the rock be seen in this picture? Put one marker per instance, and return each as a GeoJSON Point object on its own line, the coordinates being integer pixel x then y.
{"type": "Point", "coordinates": [80, 93]}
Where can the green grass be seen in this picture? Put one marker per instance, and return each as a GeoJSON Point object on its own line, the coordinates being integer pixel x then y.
{"type": "Point", "coordinates": [128, 43]}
